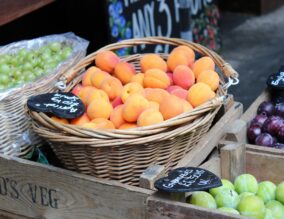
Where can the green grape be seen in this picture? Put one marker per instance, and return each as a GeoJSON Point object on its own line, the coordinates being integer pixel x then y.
{"type": "Point", "coordinates": [4, 68]}
{"type": "Point", "coordinates": [22, 52]}
{"type": "Point", "coordinates": [4, 79]}
{"type": "Point", "coordinates": [27, 66]}
{"type": "Point", "coordinates": [55, 46]}
{"type": "Point", "coordinates": [66, 52]}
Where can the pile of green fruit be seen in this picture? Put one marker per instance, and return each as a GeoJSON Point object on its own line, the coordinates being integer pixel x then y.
{"type": "Point", "coordinates": [246, 197]}
{"type": "Point", "coordinates": [27, 65]}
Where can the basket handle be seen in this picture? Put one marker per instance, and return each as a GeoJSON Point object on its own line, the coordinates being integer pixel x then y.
{"type": "Point", "coordinates": [225, 67]}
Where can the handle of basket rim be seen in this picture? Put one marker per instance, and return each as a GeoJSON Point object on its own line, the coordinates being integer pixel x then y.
{"type": "Point", "coordinates": [226, 68]}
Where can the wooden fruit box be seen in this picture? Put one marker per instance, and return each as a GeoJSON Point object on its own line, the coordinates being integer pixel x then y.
{"type": "Point", "coordinates": [237, 130]}
{"type": "Point", "coordinates": [32, 190]}
{"type": "Point", "coordinates": [233, 160]}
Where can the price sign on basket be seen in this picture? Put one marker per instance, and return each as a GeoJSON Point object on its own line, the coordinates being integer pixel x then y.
{"type": "Point", "coordinates": [188, 179]}
{"type": "Point", "coordinates": [63, 105]}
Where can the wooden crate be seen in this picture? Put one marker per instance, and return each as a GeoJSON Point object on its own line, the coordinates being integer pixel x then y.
{"type": "Point", "coordinates": [32, 190]}
{"type": "Point", "coordinates": [234, 159]}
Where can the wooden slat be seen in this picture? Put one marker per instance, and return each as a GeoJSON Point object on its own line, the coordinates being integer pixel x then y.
{"type": "Point", "coordinates": [213, 165]}
{"type": "Point", "coordinates": [13, 9]}
{"type": "Point", "coordinates": [211, 139]}
{"type": "Point", "coordinates": [39, 191]}
{"type": "Point", "coordinates": [160, 208]}
{"type": "Point", "coordinates": [7, 215]}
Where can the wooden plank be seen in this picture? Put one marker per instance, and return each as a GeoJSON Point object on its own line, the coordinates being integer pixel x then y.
{"type": "Point", "coordinates": [232, 160]}
{"type": "Point", "coordinates": [236, 131]}
{"type": "Point", "coordinates": [161, 208]}
{"type": "Point", "coordinates": [7, 215]}
{"type": "Point", "coordinates": [213, 165]}
{"type": "Point", "coordinates": [150, 175]}
{"type": "Point", "coordinates": [41, 191]}
{"type": "Point", "coordinates": [11, 10]}
{"type": "Point", "coordinates": [211, 139]}
{"type": "Point", "coordinates": [265, 166]}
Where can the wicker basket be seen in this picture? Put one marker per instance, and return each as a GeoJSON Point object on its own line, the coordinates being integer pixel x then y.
{"type": "Point", "coordinates": [124, 154]}
{"type": "Point", "coordinates": [17, 136]}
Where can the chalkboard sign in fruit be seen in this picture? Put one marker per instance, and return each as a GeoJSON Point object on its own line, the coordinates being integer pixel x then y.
{"type": "Point", "coordinates": [193, 20]}
{"type": "Point", "coordinates": [188, 179]}
{"type": "Point", "coordinates": [63, 105]}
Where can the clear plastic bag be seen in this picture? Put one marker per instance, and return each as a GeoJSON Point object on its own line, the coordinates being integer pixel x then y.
{"type": "Point", "coordinates": [16, 127]}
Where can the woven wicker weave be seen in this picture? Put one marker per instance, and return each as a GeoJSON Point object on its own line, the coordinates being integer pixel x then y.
{"type": "Point", "coordinates": [17, 136]}
{"type": "Point", "coordinates": [124, 154]}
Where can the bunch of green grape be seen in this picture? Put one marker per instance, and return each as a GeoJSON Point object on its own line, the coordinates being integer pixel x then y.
{"type": "Point", "coordinates": [26, 66]}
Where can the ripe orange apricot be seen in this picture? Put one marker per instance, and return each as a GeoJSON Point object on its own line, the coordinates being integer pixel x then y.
{"type": "Point", "coordinates": [171, 107]}
{"type": "Point", "coordinates": [80, 120]}
{"type": "Point", "coordinates": [131, 88]}
{"type": "Point", "coordinates": [180, 92]}
{"type": "Point", "coordinates": [97, 94]}
{"type": "Point", "coordinates": [60, 120]}
{"type": "Point", "coordinates": [98, 77]}
{"type": "Point", "coordinates": [155, 94]}
{"type": "Point", "coordinates": [151, 61]}
{"type": "Point", "coordinates": [177, 57]}
{"type": "Point", "coordinates": [199, 93]}
{"type": "Point", "coordinates": [116, 116]}
{"type": "Point", "coordinates": [102, 123]}
{"type": "Point", "coordinates": [186, 106]}
{"type": "Point", "coordinates": [76, 89]}
{"type": "Point", "coordinates": [86, 80]}
{"type": "Point", "coordinates": [155, 78]}
{"type": "Point", "coordinates": [124, 71]}
{"type": "Point", "coordinates": [170, 75]}
{"type": "Point", "coordinates": [154, 105]}
{"type": "Point", "coordinates": [99, 108]}
{"type": "Point", "coordinates": [150, 117]}
{"type": "Point", "coordinates": [106, 61]}
{"type": "Point", "coordinates": [210, 78]}
{"type": "Point", "coordinates": [183, 76]}
{"type": "Point", "coordinates": [139, 77]}
{"type": "Point", "coordinates": [112, 86]}
{"type": "Point", "coordinates": [116, 102]}
{"type": "Point", "coordinates": [202, 64]}
{"type": "Point", "coordinates": [85, 92]}
{"type": "Point", "coordinates": [188, 52]}
{"type": "Point", "coordinates": [128, 126]}
{"type": "Point", "coordinates": [133, 107]}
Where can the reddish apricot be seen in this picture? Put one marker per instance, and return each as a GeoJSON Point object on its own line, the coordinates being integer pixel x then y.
{"type": "Point", "coordinates": [107, 60]}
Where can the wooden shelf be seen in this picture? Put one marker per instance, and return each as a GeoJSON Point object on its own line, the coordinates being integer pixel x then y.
{"type": "Point", "coordinates": [11, 10]}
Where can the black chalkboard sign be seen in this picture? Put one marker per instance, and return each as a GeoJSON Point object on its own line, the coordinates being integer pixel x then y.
{"type": "Point", "coordinates": [63, 105]}
{"type": "Point", "coordinates": [275, 84]}
{"type": "Point", "coordinates": [188, 179]}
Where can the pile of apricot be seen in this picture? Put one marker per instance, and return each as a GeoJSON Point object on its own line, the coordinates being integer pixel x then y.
{"type": "Point", "coordinates": [116, 96]}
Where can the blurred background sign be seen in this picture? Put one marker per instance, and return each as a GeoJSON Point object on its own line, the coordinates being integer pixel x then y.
{"type": "Point", "coordinates": [193, 20]}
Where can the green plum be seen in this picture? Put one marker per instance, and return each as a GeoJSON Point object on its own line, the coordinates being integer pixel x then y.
{"type": "Point", "coordinates": [245, 194]}
{"type": "Point", "coordinates": [252, 206]}
{"type": "Point", "coordinates": [228, 210]}
{"type": "Point", "coordinates": [266, 191]}
{"type": "Point", "coordinates": [225, 184]}
{"type": "Point", "coordinates": [203, 199]}
{"type": "Point", "coordinates": [277, 209]}
{"type": "Point", "coordinates": [280, 192]}
{"type": "Point", "coordinates": [246, 183]}
{"type": "Point", "coordinates": [268, 214]}
{"type": "Point", "coordinates": [227, 198]}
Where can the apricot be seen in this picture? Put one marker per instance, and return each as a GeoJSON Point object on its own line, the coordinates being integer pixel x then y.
{"type": "Point", "coordinates": [107, 60]}
{"type": "Point", "coordinates": [139, 77]}
{"type": "Point", "coordinates": [202, 64]}
{"type": "Point", "coordinates": [131, 88]}
{"type": "Point", "coordinates": [89, 125]}
{"type": "Point", "coordinates": [189, 53]}
{"type": "Point", "coordinates": [96, 94]}
{"type": "Point", "coordinates": [210, 78]}
{"type": "Point", "coordinates": [199, 93]}
{"type": "Point", "coordinates": [183, 77]}
{"type": "Point", "coordinates": [85, 92]}
{"type": "Point", "coordinates": [170, 75]}
{"type": "Point", "coordinates": [76, 89]}
{"type": "Point", "coordinates": [133, 107]}
{"type": "Point", "coordinates": [176, 58]}
{"type": "Point", "coordinates": [128, 126]}
{"type": "Point", "coordinates": [155, 94]}
{"type": "Point", "coordinates": [180, 92]}
{"type": "Point", "coordinates": [60, 120]}
{"type": "Point", "coordinates": [116, 116]}
{"type": "Point", "coordinates": [124, 72]}
{"type": "Point", "coordinates": [86, 80]}
{"type": "Point", "coordinates": [172, 87]}
{"type": "Point", "coordinates": [80, 120]}
{"type": "Point", "coordinates": [155, 78]}
{"type": "Point", "coordinates": [152, 61]}
{"type": "Point", "coordinates": [186, 106]}
{"type": "Point", "coordinates": [102, 123]}
{"type": "Point", "coordinates": [150, 117]}
{"type": "Point", "coordinates": [116, 102]}
{"type": "Point", "coordinates": [171, 107]}
{"type": "Point", "coordinates": [154, 105]}
{"type": "Point", "coordinates": [98, 77]}
{"type": "Point", "coordinates": [112, 86]}
{"type": "Point", "coordinates": [99, 108]}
